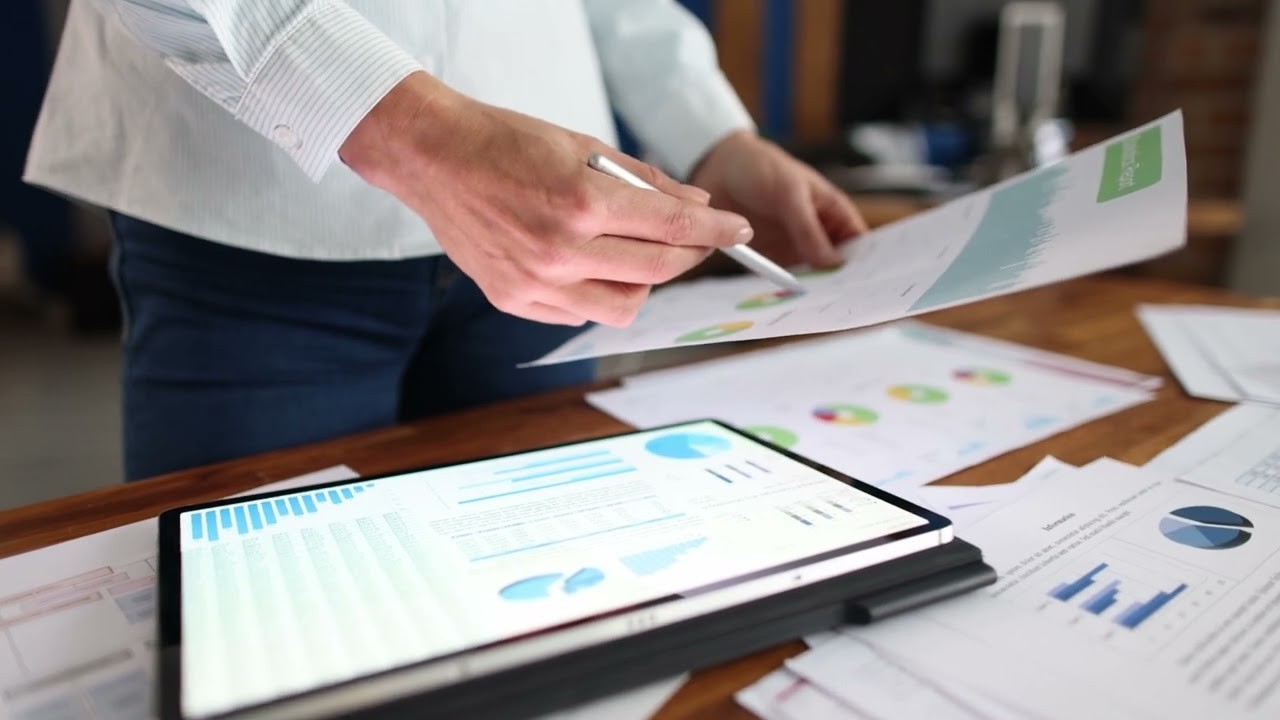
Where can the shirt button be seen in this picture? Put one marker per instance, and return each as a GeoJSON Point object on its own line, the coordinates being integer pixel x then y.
{"type": "Point", "coordinates": [286, 137]}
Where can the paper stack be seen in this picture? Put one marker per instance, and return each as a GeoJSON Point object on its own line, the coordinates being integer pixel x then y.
{"type": "Point", "coordinates": [1123, 592]}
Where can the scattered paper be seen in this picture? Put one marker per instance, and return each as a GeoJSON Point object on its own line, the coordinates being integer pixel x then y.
{"type": "Point", "coordinates": [969, 504]}
{"type": "Point", "coordinates": [1219, 353]}
{"type": "Point", "coordinates": [1237, 453]}
{"type": "Point", "coordinates": [1054, 223]}
{"type": "Point", "coordinates": [900, 405]}
{"type": "Point", "coordinates": [1122, 593]}
{"type": "Point", "coordinates": [77, 622]}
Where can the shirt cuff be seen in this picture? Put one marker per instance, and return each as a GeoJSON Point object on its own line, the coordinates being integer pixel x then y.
{"type": "Point", "coordinates": [695, 115]}
{"type": "Point", "coordinates": [324, 74]}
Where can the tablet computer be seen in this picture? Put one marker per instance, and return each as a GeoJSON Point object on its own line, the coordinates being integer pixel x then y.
{"type": "Point", "coordinates": [356, 596]}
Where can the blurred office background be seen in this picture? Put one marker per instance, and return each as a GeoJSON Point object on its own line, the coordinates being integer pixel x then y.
{"type": "Point", "coordinates": [904, 103]}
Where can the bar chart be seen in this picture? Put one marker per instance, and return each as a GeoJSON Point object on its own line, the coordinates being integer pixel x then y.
{"type": "Point", "coordinates": [1099, 590]}
{"type": "Point", "coordinates": [249, 518]}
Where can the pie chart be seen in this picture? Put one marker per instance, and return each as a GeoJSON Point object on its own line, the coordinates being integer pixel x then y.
{"type": "Point", "coordinates": [982, 376]}
{"type": "Point", "coordinates": [764, 300]}
{"type": "Point", "coordinates": [845, 414]}
{"type": "Point", "coordinates": [1206, 527]}
{"type": "Point", "coordinates": [687, 446]}
{"type": "Point", "coordinates": [922, 394]}
{"type": "Point", "coordinates": [715, 331]}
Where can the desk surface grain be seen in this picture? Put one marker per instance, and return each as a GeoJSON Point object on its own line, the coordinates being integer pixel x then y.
{"type": "Point", "coordinates": [1092, 318]}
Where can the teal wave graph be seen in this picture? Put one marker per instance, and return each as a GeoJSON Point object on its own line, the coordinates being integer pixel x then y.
{"type": "Point", "coordinates": [1008, 240]}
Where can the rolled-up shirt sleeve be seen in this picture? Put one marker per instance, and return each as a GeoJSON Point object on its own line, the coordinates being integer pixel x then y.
{"type": "Point", "coordinates": [664, 79]}
{"type": "Point", "coordinates": [302, 73]}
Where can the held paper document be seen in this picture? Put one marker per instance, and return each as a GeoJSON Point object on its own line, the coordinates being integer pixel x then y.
{"type": "Point", "coordinates": [1117, 203]}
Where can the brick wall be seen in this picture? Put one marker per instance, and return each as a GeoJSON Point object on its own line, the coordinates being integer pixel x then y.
{"type": "Point", "coordinates": [1201, 55]}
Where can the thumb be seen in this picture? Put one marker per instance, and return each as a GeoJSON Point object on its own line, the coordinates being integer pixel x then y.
{"type": "Point", "coordinates": [805, 229]}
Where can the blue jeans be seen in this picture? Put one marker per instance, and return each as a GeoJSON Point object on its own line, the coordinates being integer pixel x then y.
{"type": "Point", "coordinates": [229, 352]}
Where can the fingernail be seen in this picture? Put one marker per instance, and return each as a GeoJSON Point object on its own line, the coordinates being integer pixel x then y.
{"type": "Point", "coordinates": [744, 235]}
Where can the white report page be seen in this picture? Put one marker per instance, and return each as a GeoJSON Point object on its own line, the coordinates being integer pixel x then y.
{"type": "Point", "coordinates": [290, 593]}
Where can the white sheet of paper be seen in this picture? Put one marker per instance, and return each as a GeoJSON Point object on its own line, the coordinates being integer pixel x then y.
{"type": "Point", "coordinates": [1053, 223]}
{"type": "Point", "coordinates": [783, 695]}
{"type": "Point", "coordinates": [1121, 593]}
{"type": "Point", "coordinates": [1218, 353]}
{"type": "Point", "coordinates": [879, 684]}
{"type": "Point", "coordinates": [900, 405]}
{"type": "Point", "coordinates": [969, 504]}
{"type": "Point", "coordinates": [77, 622]}
{"type": "Point", "coordinates": [1237, 452]}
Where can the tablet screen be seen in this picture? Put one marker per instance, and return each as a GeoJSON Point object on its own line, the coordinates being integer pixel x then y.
{"type": "Point", "coordinates": [288, 593]}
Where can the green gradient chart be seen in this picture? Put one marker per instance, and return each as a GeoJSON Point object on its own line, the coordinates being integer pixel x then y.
{"type": "Point", "coordinates": [714, 332]}
{"type": "Point", "coordinates": [781, 437]}
{"type": "Point", "coordinates": [919, 394]}
{"type": "Point", "coordinates": [1009, 240]}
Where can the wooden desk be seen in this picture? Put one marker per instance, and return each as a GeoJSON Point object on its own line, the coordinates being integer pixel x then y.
{"type": "Point", "coordinates": [1091, 318]}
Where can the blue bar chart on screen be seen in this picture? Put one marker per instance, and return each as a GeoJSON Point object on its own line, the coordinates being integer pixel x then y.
{"type": "Point", "coordinates": [241, 521]}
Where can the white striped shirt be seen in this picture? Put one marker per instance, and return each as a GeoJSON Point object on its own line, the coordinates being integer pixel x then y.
{"type": "Point", "coordinates": [222, 118]}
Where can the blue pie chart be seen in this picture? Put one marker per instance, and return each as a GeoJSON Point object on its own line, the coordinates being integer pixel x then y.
{"type": "Point", "coordinates": [687, 446]}
{"type": "Point", "coordinates": [1206, 527]}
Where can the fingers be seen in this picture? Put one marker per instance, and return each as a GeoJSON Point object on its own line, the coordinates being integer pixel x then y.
{"type": "Point", "coordinates": [543, 313]}
{"type": "Point", "coordinates": [803, 224]}
{"type": "Point", "coordinates": [659, 217]}
{"type": "Point", "coordinates": [634, 261]}
{"type": "Point", "coordinates": [609, 303]}
{"type": "Point", "coordinates": [657, 178]}
{"type": "Point", "coordinates": [839, 215]}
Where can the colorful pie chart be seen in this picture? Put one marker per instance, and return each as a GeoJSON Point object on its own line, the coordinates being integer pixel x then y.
{"type": "Point", "coordinates": [781, 437]}
{"type": "Point", "coordinates": [982, 376]}
{"type": "Point", "coordinates": [845, 414]}
{"type": "Point", "coordinates": [715, 331]}
{"type": "Point", "coordinates": [769, 299]}
{"type": "Point", "coordinates": [922, 394]}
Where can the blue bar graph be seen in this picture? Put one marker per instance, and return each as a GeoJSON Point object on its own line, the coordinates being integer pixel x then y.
{"type": "Point", "coordinates": [1066, 591]}
{"type": "Point", "coordinates": [250, 518]}
{"type": "Point", "coordinates": [1103, 599]}
{"type": "Point", "coordinates": [1135, 614]}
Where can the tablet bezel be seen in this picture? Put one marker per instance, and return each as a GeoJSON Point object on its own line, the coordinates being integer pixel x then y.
{"type": "Point", "coordinates": [169, 577]}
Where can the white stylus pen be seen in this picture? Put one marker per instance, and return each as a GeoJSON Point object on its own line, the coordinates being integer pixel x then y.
{"type": "Point", "coordinates": [748, 258]}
